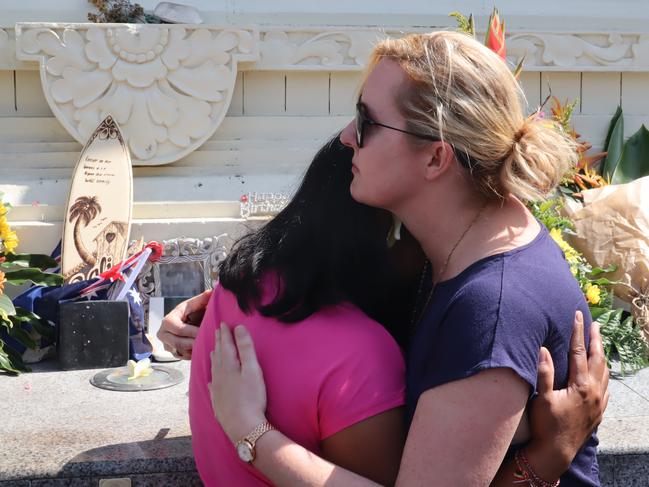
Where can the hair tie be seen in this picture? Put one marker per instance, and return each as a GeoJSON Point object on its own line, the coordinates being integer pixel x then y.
{"type": "Point", "coordinates": [519, 134]}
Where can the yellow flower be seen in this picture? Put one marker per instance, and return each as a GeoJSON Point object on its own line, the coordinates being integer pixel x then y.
{"type": "Point", "coordinates": [3, 209]}
{"type": "Point", "coordinates": [555, 233]}
{"type": "Point", "coordinates": [572, 256]}
{"type": "Point", "coordinates": [2, 282]}
{"type": "Point", "coordinates": [10, 241]}
{"type": "Point", "coordinates": [592, 293]}
{"type": "Point", "coordinates": [7, 235]}
{"type": "Point", "coordinates": [141, 368]}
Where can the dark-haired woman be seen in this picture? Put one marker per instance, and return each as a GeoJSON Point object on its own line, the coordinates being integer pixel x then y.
{"type": "Point", "coordinates": [305, 285]}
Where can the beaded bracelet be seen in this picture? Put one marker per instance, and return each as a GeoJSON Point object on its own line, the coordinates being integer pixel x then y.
{"type": "Point", "coordinates": [525, 473]}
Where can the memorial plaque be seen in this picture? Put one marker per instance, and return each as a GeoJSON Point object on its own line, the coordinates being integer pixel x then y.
{"type": "Point", "coordinates": [98, 214]}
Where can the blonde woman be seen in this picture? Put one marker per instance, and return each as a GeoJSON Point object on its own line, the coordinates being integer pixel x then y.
{"type": "Point", "coordinates": [440, 139]}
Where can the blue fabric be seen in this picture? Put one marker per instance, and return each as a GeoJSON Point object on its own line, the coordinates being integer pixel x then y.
{"type": "Point", "coordinates": [139, 345]}
{"type": "Point", "coordinates": [45, 301]}
{"type": "Point", "coordinates": [498, 313]}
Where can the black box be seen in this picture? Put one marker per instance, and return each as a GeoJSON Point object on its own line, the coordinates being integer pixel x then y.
{"type": "Point", "coordinates": [93, 334]}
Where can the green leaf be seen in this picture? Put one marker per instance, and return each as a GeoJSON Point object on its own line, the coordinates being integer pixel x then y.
{"type": "Point", "coordinates": [605, 270]}
{"type": "Point", "coordinates": [623, 337]}
{"type": "Point", "coordinates": [38, 277]}
{"type": "Point", "coordinates": [614, 146]}
{"type": "Point", "coordinates": [463, 24]}
{"type": "Point", "coordinates": [5, 363]}
{"type": "Point", "coordinates": [10, 360]}
{"type": "Point", "coordinates": [21, 335]}
{"type": "Point", "coordinates": [5, 322]}
{"type": "Point", "coordinates": [602, 281]}
{"type": "Point", "coordinates": [29, 260]}
{"type": "Point", "coordinates": [44, 330]}
{"type": "Point", "coordinates": [596, 312]}
{"type": "Point", "coordinates": [616, 116]}
{"type": "Point", "coordinates": [630, 346]}
{"type": "Point", "coordinates": [26, 316]}
{"type": "Point", "coordinates": [634, 161]}
{"type": "Point", "coordinates": [6, 305]}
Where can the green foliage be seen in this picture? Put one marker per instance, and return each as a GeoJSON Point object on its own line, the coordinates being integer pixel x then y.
{"type": "Point", "coordinates": [464, 24]}
{"type": "Point", "coordinates": [625, 161]}
{"type": "Point", "coordinates": [39, 261]}
{"type": "Point", "coordinates": [17, 269]}
{"type": "Point", "coordinates": [548, 213]}
{"type": "Point", "coordinates": [621, 335]}
{"type": "Point", "coordinates": [35, 276]}
{"type": "Point", "coordinates": [609, 133]}
{"type": "Point", "coordinates": [6, 307]}
{"type": "Point", "coordinates": [614, 145]}
{"type": "Point", "coordinates": [634, 161]}
{"type": "Point", "coordinates": [564, 116]}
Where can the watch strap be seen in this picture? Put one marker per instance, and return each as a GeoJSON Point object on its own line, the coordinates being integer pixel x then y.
{"type": "Point", "coordinates": [259, 430]}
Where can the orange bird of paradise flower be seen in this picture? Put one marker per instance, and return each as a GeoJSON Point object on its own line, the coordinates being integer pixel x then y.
{"type": "Point", "coordinates": [495, 39]}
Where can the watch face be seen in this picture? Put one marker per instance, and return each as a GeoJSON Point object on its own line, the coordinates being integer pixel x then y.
{"type": "Point", "coordinates": [244, 450]}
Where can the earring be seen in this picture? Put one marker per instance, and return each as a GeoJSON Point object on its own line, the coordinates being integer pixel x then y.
{"type": "Point", "coordinates": [394, 233]}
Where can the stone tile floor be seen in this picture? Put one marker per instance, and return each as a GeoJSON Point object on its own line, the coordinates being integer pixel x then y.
{"type": "Point", "coordinates": [58, 429]}
{"type": "Point", "coordinates": [624, 433]}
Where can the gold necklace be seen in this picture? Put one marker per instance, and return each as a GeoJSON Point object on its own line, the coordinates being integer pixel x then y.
{"type": "Point", "coordinates": [415, 323]}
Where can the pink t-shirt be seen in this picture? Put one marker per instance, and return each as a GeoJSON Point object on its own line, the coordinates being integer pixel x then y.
{"type": "Point", "coordinates": [323, 374]}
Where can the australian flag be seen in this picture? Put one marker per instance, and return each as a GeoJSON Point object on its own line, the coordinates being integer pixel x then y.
{"type": "Point", "coordinates": [117, 283]}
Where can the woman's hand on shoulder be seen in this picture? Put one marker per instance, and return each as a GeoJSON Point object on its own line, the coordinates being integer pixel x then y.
{"type": "Point", "coordinates": [563, 420]}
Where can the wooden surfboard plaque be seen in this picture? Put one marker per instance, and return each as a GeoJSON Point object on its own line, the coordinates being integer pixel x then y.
{"type": "Point", "coordinates": [98, 214]}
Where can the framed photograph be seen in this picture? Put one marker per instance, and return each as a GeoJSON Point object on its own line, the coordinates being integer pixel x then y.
{"type": "Point", "coordinates": [188, 267]}
{"type": "Point", "coordinates": [184, 278]}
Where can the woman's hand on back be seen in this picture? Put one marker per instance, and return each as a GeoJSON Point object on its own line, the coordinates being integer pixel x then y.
{"type": "Point", "coordinates": [563, 420]}
{"type": "Point", "coordinates": [237, 389]}
{"type": "Point", "coordinates": [180, 326]}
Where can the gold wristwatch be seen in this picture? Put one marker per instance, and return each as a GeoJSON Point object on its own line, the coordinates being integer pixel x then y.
{"type": "Point", "coordinates": [246, 446]}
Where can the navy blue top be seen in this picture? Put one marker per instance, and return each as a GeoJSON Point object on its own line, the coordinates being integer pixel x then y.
{"type": "Point", "coordinates": [498, 313]}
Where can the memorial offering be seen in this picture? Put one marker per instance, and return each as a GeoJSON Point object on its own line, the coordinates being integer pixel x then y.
{"type": "Point", "coordinates": [24, 336]}
{"type": "Point", "coordinates": [137, 376]}
{"type": "Point", "coordinates": [262, 204]}
{"type": "Point", "coordinates": [98, 217]}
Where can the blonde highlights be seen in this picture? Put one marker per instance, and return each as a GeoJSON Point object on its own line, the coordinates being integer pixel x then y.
{"type": "Point", "coordinates": [462, 92]}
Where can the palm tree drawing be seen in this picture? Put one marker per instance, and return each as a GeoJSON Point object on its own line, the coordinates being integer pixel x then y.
{"type": "Point", "coordinates": [84, 210]}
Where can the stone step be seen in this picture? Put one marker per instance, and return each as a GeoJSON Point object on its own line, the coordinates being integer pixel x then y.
{"type": "Point", "coordinates": [48, 129]}
{"type": "Point", "coordinates": [224, 159]}
{"type": "Point", "coordinates": [42, 237]}
{"type": "Point", "coordinates": [10, 150]}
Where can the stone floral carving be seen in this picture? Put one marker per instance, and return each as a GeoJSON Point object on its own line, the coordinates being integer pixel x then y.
{"type": "Point", "coordinates": [303, 49]}
{"type": "Point", "coordinates": [4, 39]}
{"type": "Point", "coordinates": [168, 87]}
{"type": "Point", "coordinates": [641, 51]}
{"type": "Point", "coordinates": [577, 52]}
{"type": "Point", "coordinates": [7, 49]}
{"type": "Point", "coordinates": [349, 49]}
